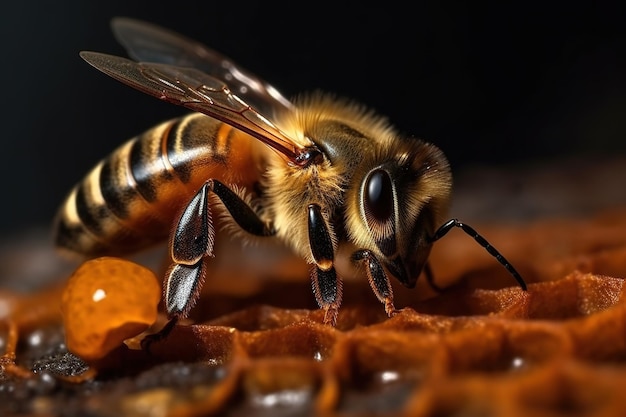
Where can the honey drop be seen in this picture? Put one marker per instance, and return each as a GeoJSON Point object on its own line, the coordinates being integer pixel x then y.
{"type": "Point", "coordinates": [106, 301]}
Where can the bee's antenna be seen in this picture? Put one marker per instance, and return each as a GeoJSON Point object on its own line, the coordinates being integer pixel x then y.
{"type": "Point", "coordinates": [447, 226]}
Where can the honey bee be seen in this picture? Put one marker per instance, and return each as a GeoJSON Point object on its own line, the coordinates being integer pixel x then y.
{"type": "Point", "coordinates": [317, 174]}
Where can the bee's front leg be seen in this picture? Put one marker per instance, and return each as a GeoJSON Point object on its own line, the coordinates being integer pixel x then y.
{"type": "Point", "coordinates": [377, 278]}
{"type": "Point", "coordinates": [327, 287]}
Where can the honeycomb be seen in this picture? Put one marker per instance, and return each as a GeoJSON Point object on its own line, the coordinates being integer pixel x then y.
{"type": "Point", "coordinates": [481, 347]}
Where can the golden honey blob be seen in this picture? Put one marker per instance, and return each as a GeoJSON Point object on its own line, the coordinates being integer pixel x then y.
{"type": "Point", "coordinates": [106, 301]}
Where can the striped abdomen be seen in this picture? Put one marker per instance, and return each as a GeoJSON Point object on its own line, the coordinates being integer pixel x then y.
{"type": "Point", "coordinates": [130, 199]}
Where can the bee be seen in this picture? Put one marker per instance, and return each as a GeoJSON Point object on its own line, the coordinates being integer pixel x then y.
{"type": "Point", "coordinates": [318, 173]}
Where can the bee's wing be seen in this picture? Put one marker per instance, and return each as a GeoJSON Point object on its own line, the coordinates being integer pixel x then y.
{"type": "Point", "coordinates": [192, 88]}
{"type": "Point", "coordinates": [150, 43]}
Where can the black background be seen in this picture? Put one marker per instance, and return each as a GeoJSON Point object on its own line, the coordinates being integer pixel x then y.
{"type": "Point", "coordinates": [493, 84]}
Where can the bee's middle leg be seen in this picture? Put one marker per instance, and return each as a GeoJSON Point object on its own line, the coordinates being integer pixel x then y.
{"type": "Point", "coordinates": [327, 287]}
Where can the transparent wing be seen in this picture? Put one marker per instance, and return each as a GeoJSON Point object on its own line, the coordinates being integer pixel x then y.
{"type": "Point", "coordinates": [150, 43]}
{"type": "Point", "coordinates": [195, 90]}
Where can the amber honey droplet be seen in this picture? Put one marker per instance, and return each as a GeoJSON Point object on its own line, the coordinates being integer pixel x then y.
{"type": "Point", "coordinates": [106, 301]}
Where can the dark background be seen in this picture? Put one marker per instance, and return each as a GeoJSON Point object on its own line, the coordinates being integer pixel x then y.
{"type": "Point", "coordinates": [496, 84]}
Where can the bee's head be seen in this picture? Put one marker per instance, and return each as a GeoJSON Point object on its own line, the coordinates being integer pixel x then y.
{"type": "Point", "coordinates": [401, 197]}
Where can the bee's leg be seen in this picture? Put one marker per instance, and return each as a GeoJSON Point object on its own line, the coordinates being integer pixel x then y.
{"type": "Point", "coordinates": [194, 234]}
{"type": "Point", "coordinates": [430, 278]}
{"type": "Point", "coordinates": [241, 212]}
{"type": "Point", "coordinates": [447, 226]}
{"type": "Point", "coordinates": [192, 238]}
{"type": "Point", "coordinates": [327, 287]}
{"type": "Point", "coordinates": [148, 340]}
{"type": "Point", "coordinates": [381, 286]}
{"type": "Point", "coordinates": [192, 241]}
{"type": "Point", "coordinates": [182, 288]}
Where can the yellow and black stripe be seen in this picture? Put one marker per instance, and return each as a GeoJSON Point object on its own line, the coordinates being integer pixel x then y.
{"type": "Point", "coordinates": [129, 200]}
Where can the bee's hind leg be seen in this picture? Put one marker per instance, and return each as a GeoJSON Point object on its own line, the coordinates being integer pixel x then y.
{"type": "Point", "coordinates": [148, 340]}
{"type": "Point", "coordinates": [192, 242]}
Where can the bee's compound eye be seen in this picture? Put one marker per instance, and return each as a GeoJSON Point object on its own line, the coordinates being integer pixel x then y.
{"type": "Point", "coordinates": [378, 197]}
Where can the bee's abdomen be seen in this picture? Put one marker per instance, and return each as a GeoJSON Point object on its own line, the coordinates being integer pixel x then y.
{"type": "Point", "coordinates": [130, 199]}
